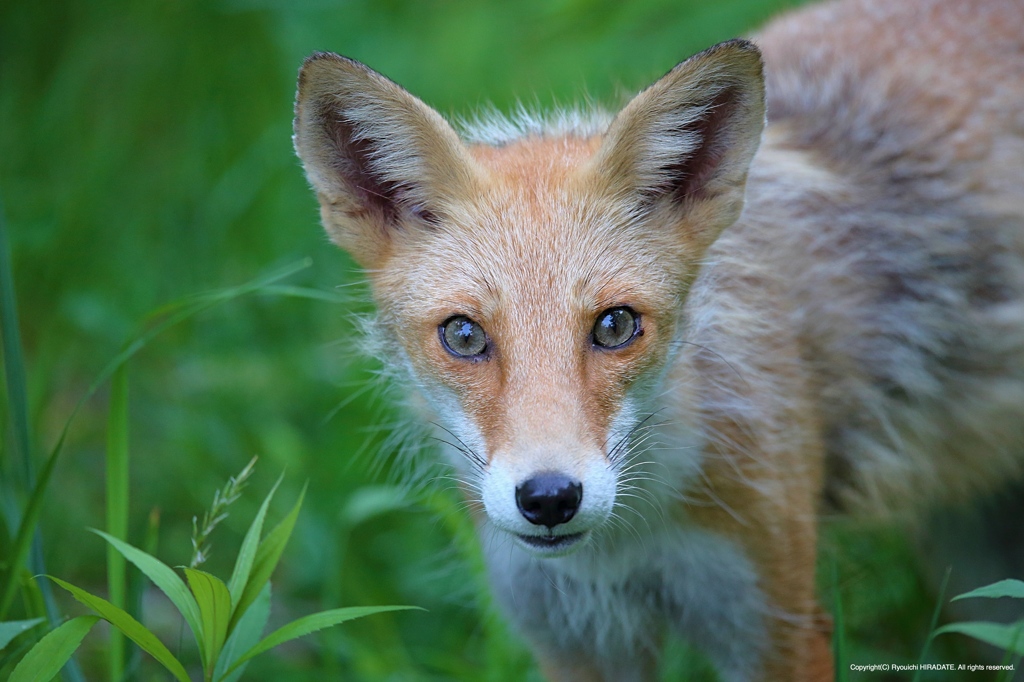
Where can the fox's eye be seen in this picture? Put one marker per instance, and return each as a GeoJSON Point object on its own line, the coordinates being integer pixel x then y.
{"type": "Point", "coordinates": [463, 337]}
{"type": "Point", "coordinates": [616, 327]}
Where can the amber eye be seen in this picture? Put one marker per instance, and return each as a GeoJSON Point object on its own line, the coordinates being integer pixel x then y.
{"type": "Point", "coordinates": [616, 327]}
{"type": "Point", "coordinates": [463, 337]}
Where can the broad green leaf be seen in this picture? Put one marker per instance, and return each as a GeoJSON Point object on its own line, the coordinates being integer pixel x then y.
{"type": "Point", "coordinates": [245, 636]}
{"type": "Point", "coordinates": [317, 621]}
{"type": "Point", "coordinates": [1009, 637]}
{"type": "Point", "coordinates": [247, 553]}
{"type": "Point", "coordinates": [13, 628]}
{"type": "Point", "coordinates": [1003, 588]}
{"type": "Point", "coordinates": [132, 628]}
{"type": "Point", "coordinates": [164, 577]}
{"type": "Point", "coordinates": [50, 653]}
{"type": "Point", "coordinates": [267, 556]}
{"type": "Point", "coordinates": [214, 608]}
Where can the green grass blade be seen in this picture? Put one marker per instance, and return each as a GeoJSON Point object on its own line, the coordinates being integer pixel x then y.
{"type": "Point", "coordinates": [10, 656]}
{"type": "Point", "coordinates": [371, 501]}
{"type": "Point", "coordinates": [9, 514]}
{"type": "Point", "coordinates": [291, 291]}
{"type": "Point", "coordinates": [245, 636]}
{"type": "Point", "coordinates": [1007, 637]}
{"type": "Point", "coordinates": [839, 625]}
{"type": "Point", "coordinates": [137, 586]}
{"type": "Point", "coordinates": [117, 510]}
{"type": "Point", "coordinates": [32, 600]}
{"type": "Point", "coordinates": [1008, 663]}
{"type": "Point", "coordinates": [26, 539]}
{"type": "Point", "coordinates": [1003, 588]}
{"type": "Point", "coordinates": [308, 624]}
{"type": "Point", "coordinates": [164, 577]}
{"type": "Point", "coordinates": [267, 556]}
{"type": "Point", "coordinates": [215, 609]}
{"type": "Point", "coordinates": [14, 363]}
{"type": "Point", "coordinates": [27, 527]}
{"type": "Point", "coordinates": [132, 628]}
{"type": "Point", "coordinates": [175, 314]}
{"type": "Point", "coordinates": [50, 653]}
{"type": "Point", "coordinates": [932, 632]}
{"type": "Point", "coordinates": [13, 628]}
{"type": "Point", "coordinates": [247, 553]}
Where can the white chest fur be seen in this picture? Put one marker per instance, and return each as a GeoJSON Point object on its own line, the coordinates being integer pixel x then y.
{"type": "Point", "coordinates": [613, 599]}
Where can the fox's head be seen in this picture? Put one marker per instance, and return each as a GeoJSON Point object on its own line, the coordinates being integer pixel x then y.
{"type": "Point", "coordinates": [534, 287]}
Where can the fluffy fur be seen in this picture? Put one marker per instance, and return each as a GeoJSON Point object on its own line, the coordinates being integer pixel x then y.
{"type": "Point", "coordinates": [831, 314]}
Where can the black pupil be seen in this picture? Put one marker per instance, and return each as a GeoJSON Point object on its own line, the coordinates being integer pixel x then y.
{"type": "Point", "coordinates": [464, 336]}
{"type": "Point", "coordinates": [614, 328]}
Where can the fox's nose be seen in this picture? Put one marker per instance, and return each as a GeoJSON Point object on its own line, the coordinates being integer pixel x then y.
{"type": "Point", "coordinates": [548, 499]}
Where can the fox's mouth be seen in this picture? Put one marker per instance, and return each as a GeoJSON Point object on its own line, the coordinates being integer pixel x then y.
{"type": "Point", "coordinates": [552, 545]}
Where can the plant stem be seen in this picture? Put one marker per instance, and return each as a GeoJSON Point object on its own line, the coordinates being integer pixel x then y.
{"type": "Point", "coordinates": [117, 510]}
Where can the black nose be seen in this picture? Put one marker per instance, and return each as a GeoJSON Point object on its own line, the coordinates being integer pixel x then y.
{"type": "Point", "coordinates": [549, 499]}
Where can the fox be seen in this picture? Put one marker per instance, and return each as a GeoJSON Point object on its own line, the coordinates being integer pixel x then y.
{"type": "Point", "coordinates": [785, 280]}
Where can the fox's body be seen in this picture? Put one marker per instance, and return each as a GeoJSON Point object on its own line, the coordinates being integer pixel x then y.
{"type": "Point", "coordinates": [852, 336]}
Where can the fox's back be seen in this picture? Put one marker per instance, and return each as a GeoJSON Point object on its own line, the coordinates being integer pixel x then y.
{"type": "Point", "coordinates": [908, 91]}
{"type": "Point", "coordinates": [887, 202]}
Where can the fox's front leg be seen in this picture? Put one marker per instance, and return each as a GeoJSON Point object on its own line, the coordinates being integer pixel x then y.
{"type": "Point", "coordinates": [741, 592]}
{"type": "Point", "coordinates": [765, 503]}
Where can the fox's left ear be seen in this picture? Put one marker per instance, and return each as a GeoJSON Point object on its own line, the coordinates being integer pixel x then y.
{"type": "Point", "coordinates": [682, 147]}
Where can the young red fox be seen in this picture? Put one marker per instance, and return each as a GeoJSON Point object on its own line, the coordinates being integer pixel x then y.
{"type": "Point", "coordinates": [661, 342]}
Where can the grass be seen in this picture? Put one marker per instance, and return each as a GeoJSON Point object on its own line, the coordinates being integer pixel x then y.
{"type": "Point", "coordinates": [145, 156]}
{"type": "Point", "coordinates": [117, 511]}
{"type": "Point", "coordinates": [227, 620]}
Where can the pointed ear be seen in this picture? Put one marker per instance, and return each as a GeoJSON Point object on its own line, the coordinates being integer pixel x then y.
{"type": "Point", "coordinates": [380, 160]}
{"type": "Point", "coordinates": [682, 147]}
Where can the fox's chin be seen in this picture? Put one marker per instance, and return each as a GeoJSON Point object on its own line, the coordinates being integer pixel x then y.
{"type": "Point", "coordinates": [552, 545]}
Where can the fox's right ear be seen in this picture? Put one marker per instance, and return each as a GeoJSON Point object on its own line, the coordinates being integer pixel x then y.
{"type": "Point", "coordinates": [381, 161]}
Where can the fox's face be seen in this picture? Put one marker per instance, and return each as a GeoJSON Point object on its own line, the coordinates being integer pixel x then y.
{"type": "Point", "coordinates": [535, 288]}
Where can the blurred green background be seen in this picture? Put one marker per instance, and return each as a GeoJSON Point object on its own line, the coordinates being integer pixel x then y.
{"type": "Point", "coordinates": [145, 155]}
